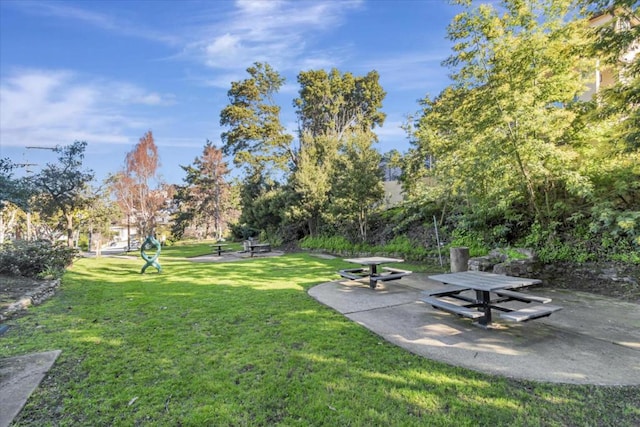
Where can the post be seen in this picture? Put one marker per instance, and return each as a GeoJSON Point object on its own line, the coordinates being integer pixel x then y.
{"type": "Point", "coordinates": [459, 259]}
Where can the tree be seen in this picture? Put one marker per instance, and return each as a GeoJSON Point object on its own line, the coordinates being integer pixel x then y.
{"type": "Point", "coordinates": [357, 187]}
{"type": "Point", "coordinates": [14, 196]}
{"type": "Point", "coordinates": [334, 103]}
{"type": "Point", "coordinates": [256, 136]}
{"type": "Point", "coordinates": [16, 191]}
{"type": "Point", "coordinates": [96, 219]}
{"type": "Point", "coordinates": [61, 185]}
{"type": "Point", "coordinates": [134, 187]}
{"type": "Point", "coordinates": [617, 41]}
{"type": "Point", "coordinates": [205, 200]}
{"type": "Point", "coordinates": [311, 180]}
{"type": "Point", "coordinates": [502, 134]}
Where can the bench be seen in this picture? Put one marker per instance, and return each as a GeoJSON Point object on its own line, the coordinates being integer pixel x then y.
{"type": "Point", "coordinates": [445, 290]}
{"type": "Point", "coordinates": [353, 273]}
{"type": "Point", "coordinates": [519, 296]}
{"type": "Point", "coordinates": [392, 274]}
{"type": "Point", "coordinates": [529, 313]}
{"type": "Point", "coordinates": [453, 308]}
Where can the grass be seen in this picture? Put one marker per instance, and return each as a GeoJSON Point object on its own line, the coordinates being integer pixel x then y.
{"type": "Point", "coordinates": [242, 343]}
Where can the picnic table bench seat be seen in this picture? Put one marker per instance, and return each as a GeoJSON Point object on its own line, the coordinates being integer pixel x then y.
{"type": "Point", "coordinates": [353, 273]}
{"type": "Point", "coordinates": [361, 273]}
{"type": "Point", "coordinates": [446, 290]}
{"type": "Point", "coordinates": [523, 297]}
{"type": "Point", "coordinates": [392, 274]}
{"type": "Point", "coordinates": [531, 312]}
{"type": "Point", "coordinates": [453, 308]}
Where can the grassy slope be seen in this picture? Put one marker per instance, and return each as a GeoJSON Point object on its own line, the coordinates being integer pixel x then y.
{"type": "Point", "coordinates": [243, 344]}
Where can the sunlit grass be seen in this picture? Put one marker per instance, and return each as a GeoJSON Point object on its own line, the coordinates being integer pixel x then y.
{"type": "Point", "coordinates": [241, 343]}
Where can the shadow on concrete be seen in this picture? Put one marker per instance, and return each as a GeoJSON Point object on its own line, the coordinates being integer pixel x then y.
{"type": "Point", "coordinates": [593, 340]}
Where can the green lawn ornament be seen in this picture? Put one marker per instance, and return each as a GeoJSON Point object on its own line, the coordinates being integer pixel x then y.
{"type": "Point", "coordinates": [148, 244]}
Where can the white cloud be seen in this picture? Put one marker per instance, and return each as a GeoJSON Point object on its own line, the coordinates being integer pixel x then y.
{"type": "Point", "coordinates": [410, 70]}
{"type": "Point", "coordinates": [268, 31]}
{"type": "Point", "coordinates": [114, 24]}
{"type": "Point", "coordinates": [58, 107]}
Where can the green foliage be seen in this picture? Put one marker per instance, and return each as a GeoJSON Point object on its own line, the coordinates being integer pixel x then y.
{"type": "Point", "coordinates": [357, 184]}
{"type": "Point", "coordinates": [35, 258]}
{"type": "Point", "coordinates": [243, 231]}
{"type": "Point", "coordinates": [205, 203]}
{"type": "Point", "coordinates": [400, 246]}
{"type": "Point", "coordinates": [311, 181]}
{"type": "Point", "coordinates": [329, 243]}
{"type": "Point", "coordinates": [256, 136]}
{"type": "Point", "coordinates": [335, 104]}
{"type": "Point", "coordinates": [16, 191]}
{"type": "Point", "coordinates": [61, 187]}
{"type": "Point", "coordinates": [511, 155]}
{"type": "Point", "coordinates": [616, 40]}
{"type": "Point", "coordinates": [471, 239]}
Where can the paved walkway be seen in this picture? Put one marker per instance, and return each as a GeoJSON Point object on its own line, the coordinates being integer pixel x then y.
{"type": "Point", "coordinates": [593, 340]}
{"type": "Point", "coordinates": [19, 376]}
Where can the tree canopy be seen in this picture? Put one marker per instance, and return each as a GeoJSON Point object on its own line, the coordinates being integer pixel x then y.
{"type": "Point", "coordinates": [61, 186]}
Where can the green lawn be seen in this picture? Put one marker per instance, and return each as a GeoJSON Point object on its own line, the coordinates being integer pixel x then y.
{"type": "Point", "coordinates": [241, 343]}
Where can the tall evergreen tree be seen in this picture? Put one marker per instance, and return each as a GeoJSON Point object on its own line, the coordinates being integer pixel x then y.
{"type": "Point", "coordinates": [205, 201]}
{"type": "Point", "coordinates": [334, 103]}
{"type": "Point", "coordinates": [256, 135]}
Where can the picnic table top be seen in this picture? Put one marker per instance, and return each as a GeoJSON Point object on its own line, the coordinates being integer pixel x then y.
{"type": "Point", "coordinates": [372, 260]}
{"type": "Point", "coordinates": [484, 281]}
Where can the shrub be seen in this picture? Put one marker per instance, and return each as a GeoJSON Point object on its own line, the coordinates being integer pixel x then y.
{"type": "Point", "coordinates": [35, 258]}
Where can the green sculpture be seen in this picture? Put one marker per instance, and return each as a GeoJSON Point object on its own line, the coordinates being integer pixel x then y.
{"type": "Point", "coordinates": [150, 243]}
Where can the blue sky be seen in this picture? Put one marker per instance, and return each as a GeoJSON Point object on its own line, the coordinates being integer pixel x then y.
{"type": "Point", "coordinates": [107, 71]}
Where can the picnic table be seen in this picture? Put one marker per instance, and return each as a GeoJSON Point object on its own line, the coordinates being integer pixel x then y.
{"type": "Point", "coordinates": [371, 271]}
{"type": "Point", "coordinates": [479, 306]}
{"type": "Point", "coordinates": [255, 247]}
{"type": "Point", "coordinates": [219, 248]}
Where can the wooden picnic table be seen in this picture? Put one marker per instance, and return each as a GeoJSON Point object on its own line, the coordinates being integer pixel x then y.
{"type": "Point", "coordinates": [484, 284]}
{"type": "Point", "coordinates": [372, 272]}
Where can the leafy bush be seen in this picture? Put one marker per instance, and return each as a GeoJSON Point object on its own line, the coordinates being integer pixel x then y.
{"type": "Point", "coordinates": [329, 243]}
{"type": "Point", "coordinates": [35, 258]}
{"type": "Point", "coordinates": [243, 231]}
{"type": "Point", "coordinates": [471, 239]}
{"type": "Point", "coordinates": [400, 245]}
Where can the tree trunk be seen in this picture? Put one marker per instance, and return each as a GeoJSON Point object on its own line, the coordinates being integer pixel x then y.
{"type": "Point", "coordinates": [69, 218]}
